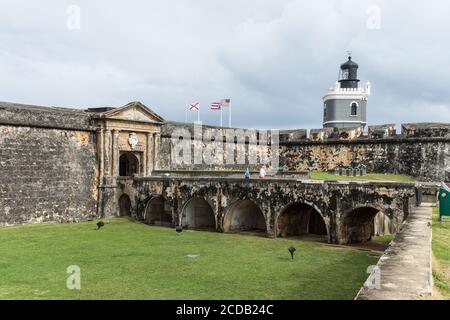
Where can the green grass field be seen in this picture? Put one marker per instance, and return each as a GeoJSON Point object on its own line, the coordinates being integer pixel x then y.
{"type": "Point", "coordinates": [130, 260]}
{"type": "Point", "coordinates": [319, 175]}
{"type": "Point", "coordinates": [441, 251]}
{"type": "Point", "coordinates": [386, 239]}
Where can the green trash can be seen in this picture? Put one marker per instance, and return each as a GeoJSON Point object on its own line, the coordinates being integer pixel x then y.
{"type": "Point", "coordinates": [444, 201]}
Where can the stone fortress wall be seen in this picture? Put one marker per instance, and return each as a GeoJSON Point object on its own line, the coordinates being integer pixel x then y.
{"type": "Point", "coordinates": [48, 165]}
{"type": "Point", "coordinates": [212, 140]}
{"type": "Point", "coordinates": [60, 164]}
{"type": "Point", "coordinates": [421, 150]}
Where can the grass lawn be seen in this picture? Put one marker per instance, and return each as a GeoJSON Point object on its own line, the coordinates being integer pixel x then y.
{"type": "Point", "coordinates": [130, 260]}
{"type": "Point", "coordinates": [441, 251]}
{"type": "Point", "coordinates": [386, 239]}
{"type": "Point", "coordinates": [320, 175]}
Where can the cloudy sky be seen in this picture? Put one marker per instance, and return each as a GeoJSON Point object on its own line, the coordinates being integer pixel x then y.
{"type": "Point", "coordinates": [274, 58]}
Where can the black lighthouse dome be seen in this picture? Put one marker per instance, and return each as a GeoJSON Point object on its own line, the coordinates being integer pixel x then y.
{"type": "Point", "coordinates": [349, 64]}
{"type": "Point", "coordinates": [349, 74]}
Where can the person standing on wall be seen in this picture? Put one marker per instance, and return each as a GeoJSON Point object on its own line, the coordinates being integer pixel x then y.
{"type": "Point", "coordinates": [262, 172]}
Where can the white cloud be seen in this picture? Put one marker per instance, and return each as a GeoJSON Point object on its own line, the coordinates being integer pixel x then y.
{"type": "Point", "coordinates": [274, 59]}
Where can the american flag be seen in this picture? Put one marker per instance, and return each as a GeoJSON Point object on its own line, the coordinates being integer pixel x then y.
{"type": "Point", "coordinates": [194, 106]}
{"type": "Point", "coordinates": [216, 106]}
{"type": "Point", "coordinates": [225, 102]}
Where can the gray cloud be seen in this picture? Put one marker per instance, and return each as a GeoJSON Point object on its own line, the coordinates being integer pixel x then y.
{"type": "Point", "coordinates": [274, 59]}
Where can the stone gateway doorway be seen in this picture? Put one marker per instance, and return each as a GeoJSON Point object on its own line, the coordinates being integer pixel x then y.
{"type": "Point", "coordinates": [128, 164]}
{"type": "Point", "coordinates": [124, 206]}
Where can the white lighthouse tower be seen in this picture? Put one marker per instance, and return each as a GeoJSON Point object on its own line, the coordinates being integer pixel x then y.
{"type": "Point", "coordinates": [345, 104]}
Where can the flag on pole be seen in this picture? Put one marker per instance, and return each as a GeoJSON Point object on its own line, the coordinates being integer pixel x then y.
{"type": "Point", "coordinates": [216, 106]}
{"type": "Point", "coordinates": [194, 106]}
{"type": "Point", "coordinates": [225, 102]}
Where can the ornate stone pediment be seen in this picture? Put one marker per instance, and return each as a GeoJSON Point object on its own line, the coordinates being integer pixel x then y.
{"type": "Point", "coordinates": [134, 111]}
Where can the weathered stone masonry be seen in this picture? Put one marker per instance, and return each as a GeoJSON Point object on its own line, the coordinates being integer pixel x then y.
{"type": "Point", "coordinates": [48, 167]}
{"type": "Point", "coordinates": [337, 203]}
{"type": "Point", "coordinates": [421, 150]}
{"type": "Point", "coordinates": [66, 165]}
{"type": "Point", "coordinates": [426, 158]}
{"type": "Point", "coordinates": [165, 161]}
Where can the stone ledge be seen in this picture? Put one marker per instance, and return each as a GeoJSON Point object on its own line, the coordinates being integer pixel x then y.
{"type": "Point", "coordinates": [15, 114]}
{"type": "Point", "coordinates": [212, 178]}
{"type": "Point", "coordinates": [367, 140]}
{"type": "Point", "coordinates": [405, 267]}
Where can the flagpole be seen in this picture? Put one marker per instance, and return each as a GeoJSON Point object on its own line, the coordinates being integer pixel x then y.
{"type": "Point", "coordinates": [221, 112]}
{"type": "Point", "coordinates": [185, 115]}
{"type": "Point", "coordinates": [198, 115]}
{"type": "Point", "coordinates": [229, 115]}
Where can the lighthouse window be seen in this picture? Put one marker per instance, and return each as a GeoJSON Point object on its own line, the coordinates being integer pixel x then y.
{"type": "Point", "coordinates": [354, 107]}
{"type": "Point", "coordinates": [325, 110]}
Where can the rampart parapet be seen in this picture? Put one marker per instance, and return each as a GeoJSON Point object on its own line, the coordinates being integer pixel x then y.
{"type": "Point", "coordinates": [374, 133]}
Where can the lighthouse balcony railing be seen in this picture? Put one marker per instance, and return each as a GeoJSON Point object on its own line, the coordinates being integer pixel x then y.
{"type": "Point", "coordinates": [347, 90]}
{"type": "Point", "coordinates": [336, 89]}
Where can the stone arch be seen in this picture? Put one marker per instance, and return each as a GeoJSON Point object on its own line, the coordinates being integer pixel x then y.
{"type": "Point", "coordinates": [124, 206]}
{"type": "Point", "coordinates": [244, 216]}
{"type": "Point", "coordinates": [158, 212]}
{"type": "Point", "coordinates": [300, 218]}
{"type": "Point", "coordinates": [197, 214]}
{"type": "Point", "coordinates": [128, 164]}
{"type": "Point", "coordinates": [361, 223]}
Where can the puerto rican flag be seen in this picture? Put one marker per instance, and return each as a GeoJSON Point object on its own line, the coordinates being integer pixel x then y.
{"type": "Point", "coordinates": [225, 102]}
{"type": "Point", "coordinates": [216, 106]}
{"type": "Point", "coordinates": [194, 106]}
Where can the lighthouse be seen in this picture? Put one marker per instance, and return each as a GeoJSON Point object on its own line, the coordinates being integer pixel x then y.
{"type": "Point", "coordinates": [345, 104]}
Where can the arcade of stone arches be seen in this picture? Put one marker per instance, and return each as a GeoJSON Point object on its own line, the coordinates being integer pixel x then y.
{"type": "Point", "coordinates": [245, 216]}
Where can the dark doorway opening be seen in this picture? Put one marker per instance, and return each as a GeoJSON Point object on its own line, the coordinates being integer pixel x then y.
{"type": "Point", "coordinates": [358, 225]}
{"type": "Point", "coordinates": [244, 216]}
{"type": "Point", "coordinates": [124, 206]}
{"type": "Point", "coordinates": [197, 214]}
{"type": "Point", "coordinates": [158, 213]}
{"type": "Point", "coordinates": [128, 165]}
{"type": "Point", "coordinates": [300, 219]}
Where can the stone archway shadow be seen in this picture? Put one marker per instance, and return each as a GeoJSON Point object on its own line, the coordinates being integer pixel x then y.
{"type": "Point", "coordinates": [197, 214]}
{"type": "Point", "coordinates": [245, 216]}
{"type": "Point", "coordinates": [359, 225]}
{"type": "Point", "coordinates": [302, 219]}
{"type": "Point", "coordinates": [158, 213]}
